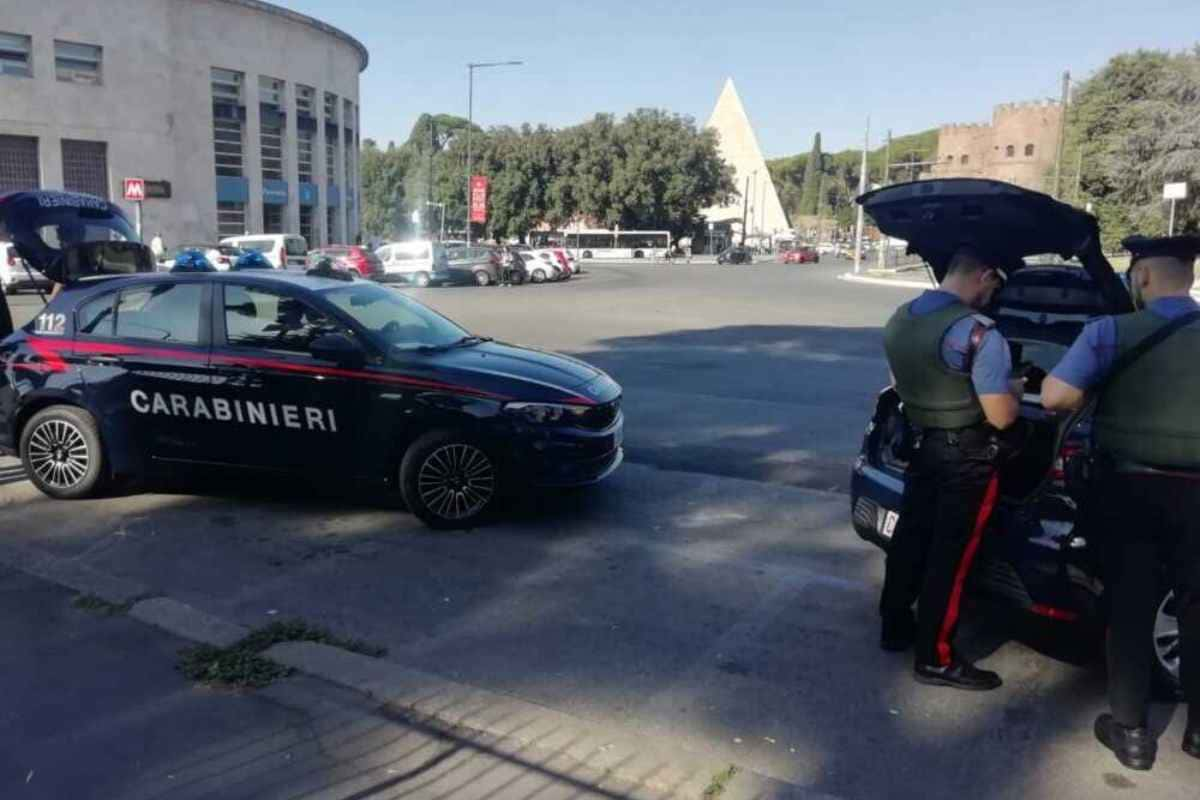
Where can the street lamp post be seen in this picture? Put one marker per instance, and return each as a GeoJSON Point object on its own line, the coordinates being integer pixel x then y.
{"type": "Point", "coordinates": [471, 122]}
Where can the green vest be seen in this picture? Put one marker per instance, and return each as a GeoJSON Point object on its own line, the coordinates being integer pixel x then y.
{"type": "Point", "coordinates": [1150, 413]}
{"type": "Point", "coordinates": [934, 395]}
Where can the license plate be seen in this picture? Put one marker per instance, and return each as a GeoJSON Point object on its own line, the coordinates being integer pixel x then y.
{"type": "Point", "coordinates": [887, 526]}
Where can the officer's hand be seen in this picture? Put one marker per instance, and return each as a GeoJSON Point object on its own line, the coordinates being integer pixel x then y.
{"type": "Point", "coordinates": [1017, 387]}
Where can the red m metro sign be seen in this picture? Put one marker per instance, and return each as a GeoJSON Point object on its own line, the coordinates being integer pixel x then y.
{"type": "Point", "coordinates": [135, 189]}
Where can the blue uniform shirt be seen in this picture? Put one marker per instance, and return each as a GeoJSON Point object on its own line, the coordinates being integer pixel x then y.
{"type": "Point", "coordinates": [1091, 357]}
{"type": "Point", "coordinates": [993, 361]}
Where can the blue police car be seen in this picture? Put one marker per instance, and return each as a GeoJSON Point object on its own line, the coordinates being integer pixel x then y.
{"type": "Point", "coordinates": [127, 372]}
{"type": "Point", "coordinates": [1039, 557]}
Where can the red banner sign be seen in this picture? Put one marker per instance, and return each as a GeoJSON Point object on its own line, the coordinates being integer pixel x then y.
{"type": "Point", "coordinates": [479, 191]}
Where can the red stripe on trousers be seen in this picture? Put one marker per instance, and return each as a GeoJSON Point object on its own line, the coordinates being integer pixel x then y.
{"type": "Point", "coordinates": [964, 566]}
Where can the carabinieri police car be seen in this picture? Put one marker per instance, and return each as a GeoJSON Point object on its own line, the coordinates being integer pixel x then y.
{"type": "Point", "coordinates": [127, 371]}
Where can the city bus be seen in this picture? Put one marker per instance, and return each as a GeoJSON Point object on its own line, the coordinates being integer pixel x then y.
{"type": "Point", "coordinates": [593, 243]}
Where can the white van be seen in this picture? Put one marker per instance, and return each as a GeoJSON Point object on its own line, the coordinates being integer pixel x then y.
{"type": "Point", "coordinates": [16, 275]}
{"type": "Point", "coordinates": [283, 250]}
{"type": "Point", "coordinates": [419, 262]}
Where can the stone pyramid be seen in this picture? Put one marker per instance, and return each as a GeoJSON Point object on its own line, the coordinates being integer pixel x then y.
{"type": "Point", "coordinates": [739, 148]}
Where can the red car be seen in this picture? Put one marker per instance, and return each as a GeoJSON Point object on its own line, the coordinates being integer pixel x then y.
{"type": "Point", "coordinates": [801, 255]}
{"type": "Point", "coordinates": [349, 257]}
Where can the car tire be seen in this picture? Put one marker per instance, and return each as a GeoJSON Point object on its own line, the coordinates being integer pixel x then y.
{"type": "Point", "coordinates": [537, 276]}
{"type": "Point", "coordinates": [587, 253]}
{"type": "Point", "coordinates": [422, 280]}
{"type": "Point", "coordinates": [482, 278]}
{"type": "Point", "coordinates": [1165, 645]}
{"type": "Point", "coordinates": [638, 254]}
{"type": "Point", "coordinates": [450, 480]}
{"type": "Point", "coordinates": [62, 453]}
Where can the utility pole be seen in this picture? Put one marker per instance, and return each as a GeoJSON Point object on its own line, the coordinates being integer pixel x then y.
{"type": "Point", "coordinates": [432, 148]}
{"type": "Point", "coordinates": [820, 209]}
{"type": "Point", "coordinates": [862, 189]}
{"type": "Point", "coordinates": [1062, 132]}
{"type": "Point", "coordinates": [745, 209]}
{"type": "Point", "coordinates": [1078, 170]}
{"type": "Point", "coordinates": [887, 178]}
{"type": "Point", "coordinates": [471, 123]}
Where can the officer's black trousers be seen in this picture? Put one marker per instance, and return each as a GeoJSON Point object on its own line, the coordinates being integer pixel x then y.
{"type": "Point", "coordinates": [950, 492]}
{"type": "Point", "coordinates": [1152, 529]}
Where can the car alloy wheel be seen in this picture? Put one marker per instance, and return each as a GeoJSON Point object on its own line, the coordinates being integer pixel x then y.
{"type": "Point", "coordinates": [58, 454]}
{"type": "Point", "coordinates": [538, 276]}
{"type": "Point", "coordinates": [422, 279]}
{"type": "Point", "coordinates": [456, 481]}
{"type": "Point", "coordinates": [1166, 636]}
{"type": "Point", "coordinates": [482, 278]}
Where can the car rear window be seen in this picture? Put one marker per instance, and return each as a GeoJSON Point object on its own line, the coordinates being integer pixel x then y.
{"type": "Point", "coordinates": [257, 245]}
{"type": "Point", "coordinates": [296, 246]}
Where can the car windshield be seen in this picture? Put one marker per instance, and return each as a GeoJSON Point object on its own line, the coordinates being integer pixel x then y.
{"type": "Point", "coordinates": [397, 320]}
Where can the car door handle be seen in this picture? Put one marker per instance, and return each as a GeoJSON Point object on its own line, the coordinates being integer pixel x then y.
{"type": "Point", "coordinates": [107, 360]}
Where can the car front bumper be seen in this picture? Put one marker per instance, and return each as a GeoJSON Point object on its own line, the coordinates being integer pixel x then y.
{"type": "Point", "coordinates": [563, 457]}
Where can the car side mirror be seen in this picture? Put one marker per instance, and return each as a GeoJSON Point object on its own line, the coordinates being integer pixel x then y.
{"type": "Point", "coordinates": [338, 348]}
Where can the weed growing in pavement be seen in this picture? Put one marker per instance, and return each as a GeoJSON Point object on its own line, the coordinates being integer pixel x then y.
{"type": "Point", "coordinates": [90, 602]}
{"type": "Point", "coordinates": [241, 665]}
{"type": "Point", "coordinates": [716, 787]}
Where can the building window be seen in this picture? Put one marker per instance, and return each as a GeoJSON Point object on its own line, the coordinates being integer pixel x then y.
{"type": "Point", "coordinates": [949, 159]}
{"type": "Point", "coordinates": [16, 55]}
{"type": "Point", "coordinates": [964, 160]}
{"type": "Point", "coordinates": [85, 167]}
{"type": "Point", "coordinates": [1010, 151]}
{"type": "Point", "coordinates": [1029, 151]}
{"type": "Point", "coordinates": [19, 164]}
{"type": "Point", "coordinates": [272, 121]}
{"type": "Point", "coordinates": [228, 115]}
{"type": "Point", "coordinates": [306, 225]}
{"type": "Point", "coordinates": [231, 219]}
{"type": "Point", "coordinates": [78, 63]}
{"type": "Point", "coordinates": [306, 125]}
{"type": "Point", "coordinates": [272, 219]}
{"type": "Point", "coordinates": [332, 135]}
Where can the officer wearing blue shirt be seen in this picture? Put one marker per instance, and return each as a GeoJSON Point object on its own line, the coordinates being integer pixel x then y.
{"type": "Point", "coordinates": [951, 368]}
{"type": "Point", "coordinates": [1147, 503]}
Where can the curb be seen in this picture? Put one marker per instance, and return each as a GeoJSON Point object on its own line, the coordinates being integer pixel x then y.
{"type": "Point", "coordinates": [633, 758]}
{"type": "Point", "coordinates": [850, 277]}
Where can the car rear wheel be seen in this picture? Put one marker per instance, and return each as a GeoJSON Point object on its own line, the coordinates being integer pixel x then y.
{"type": "Point", "coordinates": [421, 279]}
{"type": "Point", "coordinates": [587, 253]}
{"type": "Point", "coordinates": [482, 278]}
{"type": "Point", "coordinates": [537, 276]}
{"type": "Point", "coordinates": [61, 451]}
{"type": "Point", "coordinates": [449, 480]}
{"type": "Point", "coordinates": [1166, 644]}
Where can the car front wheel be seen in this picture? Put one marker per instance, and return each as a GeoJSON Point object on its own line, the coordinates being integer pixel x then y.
{"type": "Point", "coordinates": [60, 448]}
{"type": "Point", "coordinates": [537, 276]}
{"type": "Point", "coordinates": [1167, 644]}
{"type": "Point", "coordinates": [449, 480]}
{"type": "Point", "coordinates": [482, 278]}
{"type": "Point", "coordinates": [421, 279]}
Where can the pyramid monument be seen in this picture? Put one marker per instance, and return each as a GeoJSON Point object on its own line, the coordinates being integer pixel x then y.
{"type": "Point", "coordinates": [739, 148]}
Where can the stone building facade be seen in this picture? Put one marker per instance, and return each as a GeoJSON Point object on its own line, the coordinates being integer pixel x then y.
{"type": "Point", "coordinates": [1019, 146]}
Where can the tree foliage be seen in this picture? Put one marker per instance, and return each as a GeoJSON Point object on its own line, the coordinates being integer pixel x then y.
{"type": "Point", "coordinates": [814, 168]}
{"type": "Point", "coordinates": [652, 169]}
{"type": "Point", "coordinates": [1132, 127]}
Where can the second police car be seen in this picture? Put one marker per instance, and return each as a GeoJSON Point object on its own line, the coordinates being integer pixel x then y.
{"type": "Point", "coordinates": [124, 374]}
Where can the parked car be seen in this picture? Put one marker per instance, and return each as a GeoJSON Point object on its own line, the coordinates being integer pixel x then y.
{"type": "Point", "coordinates": [565, 260]}
{"type": "Point", "coordinates": [221, 256]}
{"type": "Point", "coordinates": [16, 274]}
{"type": "Point", "coordinates": [539, 269]}
{"type": "Point", "coordinates": [737, 254]}
{"type": "Point", "coordinates": [1039, 557]}
{"type": "Point", "coordinates": [283, 250]}
{"type": "Point", "coordinates": [476, 264]}
{"type": "Point", "coordinates": [547, 254]}
{"type": "Point", "coordinates": [419, 262]}
{"type": "Point", "coordinates": [350, 257]}
{"type": "Point", "coordinates": [801, 255]}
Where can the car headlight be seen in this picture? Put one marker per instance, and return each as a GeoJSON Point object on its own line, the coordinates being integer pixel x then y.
{"type": "Point", "coordinates": [546, 413]}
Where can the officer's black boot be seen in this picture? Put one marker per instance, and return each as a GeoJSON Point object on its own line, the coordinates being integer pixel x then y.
{"type": "Point", "coordinates": [1133, 747]}
{"type": "Point", "coordinates": [898, 633]}
{"type": "Point", "coordinates": [958, 675]}
{"type": "Point", "coordinates": [1191, 741]}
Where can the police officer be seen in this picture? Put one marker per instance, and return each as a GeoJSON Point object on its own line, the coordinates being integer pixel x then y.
{"type": "Point", "coordinates": [1147, 429]}
{"type": "Point", "coordinates": [951, 368]}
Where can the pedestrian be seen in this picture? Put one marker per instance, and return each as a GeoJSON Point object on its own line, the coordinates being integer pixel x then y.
{"type": "Point", "coordinates": [1141, 371]}
{"type": "Point", "coordinates": [156, 246]}
{"type": "Point", "coordinates": [951, 368]}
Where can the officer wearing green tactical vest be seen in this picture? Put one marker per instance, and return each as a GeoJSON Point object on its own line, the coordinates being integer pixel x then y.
{"type": "Point", "coordinates": [1147, 431]}
{"type": "Point", "coordinates": [951, 368]}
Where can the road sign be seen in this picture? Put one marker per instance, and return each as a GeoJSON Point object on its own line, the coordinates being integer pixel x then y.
{"type": "Point", "coordinates": [135, 189]}
{"type": "Point", "coordinates": [479, 191]}
{"type": "Point", "coordinates": [1174, 191]}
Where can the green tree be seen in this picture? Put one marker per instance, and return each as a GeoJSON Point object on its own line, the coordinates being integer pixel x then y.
{"type": "Point", "coordinates": [813, 169]}
{"type": "Point", "coordinates": [383, 192]}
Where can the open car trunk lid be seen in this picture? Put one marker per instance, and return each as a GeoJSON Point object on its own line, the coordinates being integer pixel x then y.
{"type": "Point", "coordinates": [1006, 222]}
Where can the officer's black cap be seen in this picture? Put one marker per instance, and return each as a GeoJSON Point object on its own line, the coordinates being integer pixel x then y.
{"type": "Point", "coordinates": [1184, 248]}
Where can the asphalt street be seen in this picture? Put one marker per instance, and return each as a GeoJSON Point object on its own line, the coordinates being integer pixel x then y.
{"type": "Point", "coordinates": [711, 594]}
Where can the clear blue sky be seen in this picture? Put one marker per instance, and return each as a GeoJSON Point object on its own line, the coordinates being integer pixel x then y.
{"type": "Point", "coordinates": [800, 66]}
